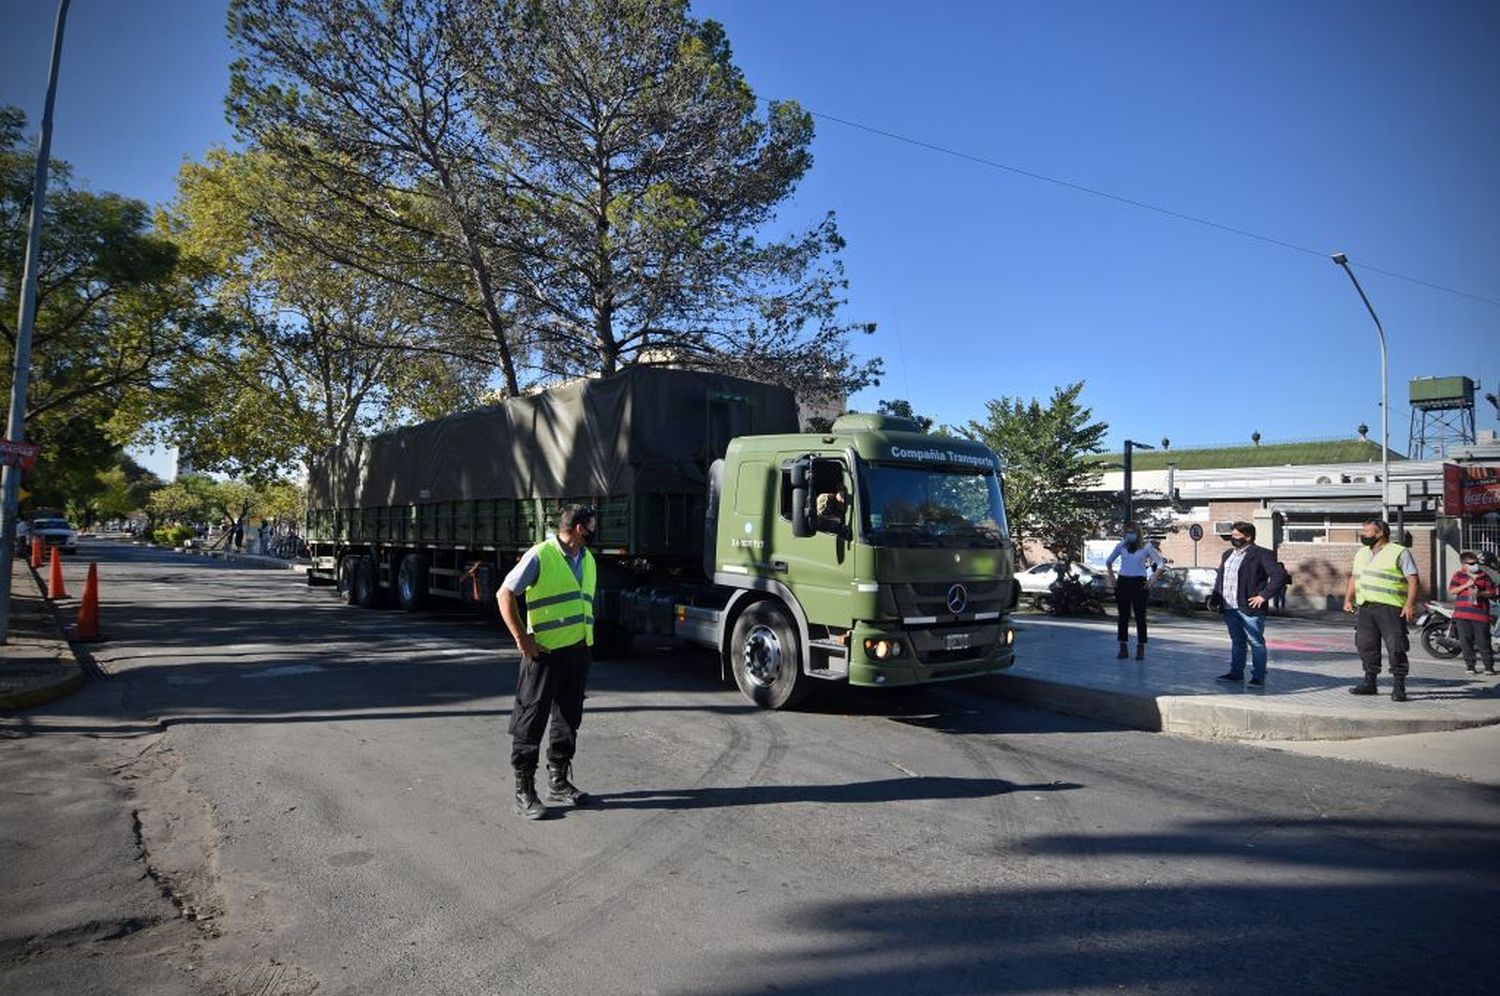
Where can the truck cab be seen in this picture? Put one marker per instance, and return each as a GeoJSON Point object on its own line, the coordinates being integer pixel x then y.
{"type": "Point", "coordinates": [873, 554]}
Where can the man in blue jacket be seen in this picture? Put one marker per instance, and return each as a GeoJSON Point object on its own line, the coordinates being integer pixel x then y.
{"type": "Point", "coordinates": [1249, 579]}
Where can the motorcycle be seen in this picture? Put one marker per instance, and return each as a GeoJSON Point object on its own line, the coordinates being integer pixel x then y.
{"type": "Point", "coordinates": [1440, 632]}
{"type": "Point", "coordinates": [1068, 596]}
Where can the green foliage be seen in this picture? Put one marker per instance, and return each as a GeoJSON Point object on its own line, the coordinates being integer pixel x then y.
{"type": "Point", "coordinates": [1268, 455]}
{"type": "Point", "coordinates": [172, 535]}
{"type": "Point", "coordinates": [306, 352]}
{"type": "Point", "coordinates": [586, 183]}
{"type": "Point", "coordinates": [1048, 453]}
{"type": "Point", "coordinates": [283, 501]}
{"type": "Point", "coordinates": [902, 408]}
{"type": "Point", "coordinates": [113, 315]}
{"type": "Point", "coordinates": [177, 503]}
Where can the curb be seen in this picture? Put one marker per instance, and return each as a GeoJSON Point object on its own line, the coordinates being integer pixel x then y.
{"type": "Point", "coordinates": [42, 694]}
{"type": "Point", "coordinates": [1191, 716]}
{"type": "Point", "coordinates": [72, 680]}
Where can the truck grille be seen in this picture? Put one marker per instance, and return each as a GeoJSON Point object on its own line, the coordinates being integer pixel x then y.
{"type": "Point", "coordinates": [930, 598]}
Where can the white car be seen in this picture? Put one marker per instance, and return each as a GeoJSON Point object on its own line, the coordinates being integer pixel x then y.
{"type": "Point", "coordinates": [1185, 586]}
{"type": "Point", "coordinates": [56, 532]}
{"type": "Point", "coordinates": [1037, 580]}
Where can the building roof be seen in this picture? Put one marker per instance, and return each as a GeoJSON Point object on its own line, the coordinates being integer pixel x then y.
{"type": "Point", "coordinates": [1269, 455]}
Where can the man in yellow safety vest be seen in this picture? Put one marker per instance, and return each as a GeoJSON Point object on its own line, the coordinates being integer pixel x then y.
{"type": "Point", "coordinates": [558, 579]}
{"type": "Point", "coordinates": [1383, 587]}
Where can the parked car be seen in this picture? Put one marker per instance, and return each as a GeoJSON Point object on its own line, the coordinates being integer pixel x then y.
{"type": "Point", "coordinates": [1183, 586]}
{"type": "Point", "coordinates": [1037, 581]}
{"type": "Point", "coordinates": [56, 532]}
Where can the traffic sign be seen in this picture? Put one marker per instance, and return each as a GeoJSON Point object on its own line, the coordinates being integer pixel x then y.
{"type": "Point", "coordinates": [1195, 532]}
{"type": "Point", "coordinates": [14, 454]}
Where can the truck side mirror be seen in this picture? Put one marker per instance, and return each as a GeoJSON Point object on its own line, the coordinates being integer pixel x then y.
{"type": "Point", "coordinates": [802, 519]}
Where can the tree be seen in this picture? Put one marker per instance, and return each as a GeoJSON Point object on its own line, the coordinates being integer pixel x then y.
{"type": "Point", "coordinates": [112, 316]}
{"type": "Point", "coordinates": [597, 169]}
{"type": "Point", "coordinates": [903, 409]}
{"type": "Point", "coordinates": [1047, 454]}
{"type": "Point", "coordinates": [367, 100]}
{"type": "Point", "coordinates": [176, 503]}
{"type": "Point", "coordinates": [307, 353]}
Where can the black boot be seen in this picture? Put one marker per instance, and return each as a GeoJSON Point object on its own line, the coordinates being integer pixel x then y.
{"type": "Point", "coordinates": [527, 804]}
{"type": "Point", "coordinates": [1124, 650]}
{"type": "Point", "coordinates": [1398, 689]}
{"type": "Point", "coordinates": [1366, 687]}
{"type": "Point", "coordinates": [1140, 651]}
{"type": "Point", "coordinates": [560, 789]}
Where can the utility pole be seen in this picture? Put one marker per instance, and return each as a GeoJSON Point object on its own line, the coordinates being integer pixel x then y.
{"type": "Point", "coordinates": [1131, 444]}
{"type": "Point", "coordinates": [15, 429]}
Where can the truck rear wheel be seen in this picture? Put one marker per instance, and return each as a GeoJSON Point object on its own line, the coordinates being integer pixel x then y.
{"type": "Point", "coordinates": [364, 588]}
{"type": "Point", "coordinates": [766, 659]}
{"type": "Point", "coordinates": [345, 578]}
{"type": "Point", "coordinates": [411, 582]}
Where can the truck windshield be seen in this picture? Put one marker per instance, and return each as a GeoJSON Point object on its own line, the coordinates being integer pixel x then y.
{"type": "Point", "coordinates": [914, 506]}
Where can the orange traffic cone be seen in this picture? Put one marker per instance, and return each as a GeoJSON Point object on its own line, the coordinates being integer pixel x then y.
{"type": "Point", "coordinates": [87, 627]}
{"type": "Point", "coordinates": [55, 587]}
{"type": "Point", "coordinates": [36, 552]}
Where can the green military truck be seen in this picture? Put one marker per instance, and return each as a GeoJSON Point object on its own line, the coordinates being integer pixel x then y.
{"type": "Point", "coordinates": [709, 527]}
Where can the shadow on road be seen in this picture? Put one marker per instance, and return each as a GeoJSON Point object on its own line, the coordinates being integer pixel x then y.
{"type": "Point", "coordinates": [921, 788]}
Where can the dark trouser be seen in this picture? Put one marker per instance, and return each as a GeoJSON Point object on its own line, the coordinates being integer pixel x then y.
{"type": "Point", "coordinates": [551, 686]}
{"type": "Point", "coordinates": [1379, 623]}
{"type": "Point", "coordinates": [1474, 634]}
{"type": "Point", "coordinates": [1130, 596]}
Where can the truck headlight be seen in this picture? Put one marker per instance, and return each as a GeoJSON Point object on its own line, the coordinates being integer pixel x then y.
{"type": "Point", "coordinates": [883, 649]}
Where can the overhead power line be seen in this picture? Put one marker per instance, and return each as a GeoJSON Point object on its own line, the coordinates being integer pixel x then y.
{"type": "Point", "coordinates": [1143, 205]}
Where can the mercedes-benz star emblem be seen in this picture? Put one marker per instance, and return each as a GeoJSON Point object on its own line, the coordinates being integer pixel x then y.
{"type": "Point", "coordinates": [958, 599]}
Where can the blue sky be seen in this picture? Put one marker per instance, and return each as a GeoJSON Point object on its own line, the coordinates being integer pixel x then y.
{"type": "Point", "coordinates": [1366, 127]}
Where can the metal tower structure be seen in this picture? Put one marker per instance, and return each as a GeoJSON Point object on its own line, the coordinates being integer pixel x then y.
{"type": "Point", "coordinates": [1442, 416]}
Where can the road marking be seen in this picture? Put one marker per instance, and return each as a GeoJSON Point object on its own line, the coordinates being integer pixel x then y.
{"type": "Point", "coordinates": [283, 670]}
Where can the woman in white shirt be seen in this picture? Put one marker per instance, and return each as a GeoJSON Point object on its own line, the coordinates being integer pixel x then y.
{"type": "Point", "coordinates": [1139, 564]}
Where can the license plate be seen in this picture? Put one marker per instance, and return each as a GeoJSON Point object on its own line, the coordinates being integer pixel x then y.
{"type": "Point", "coordinates": [956, 641]}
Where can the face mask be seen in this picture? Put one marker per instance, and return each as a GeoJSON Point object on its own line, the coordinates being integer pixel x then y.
{"type": "Point", "coordinates": [1130, 537]}
{"type": "Point", "coordinates": [1236, 542]}
{"type": "Point", "coordinates": [1369, 540]}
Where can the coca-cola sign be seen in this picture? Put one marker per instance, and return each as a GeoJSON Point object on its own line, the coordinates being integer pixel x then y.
{"type": "Point", "coordinates": [1470, 490]}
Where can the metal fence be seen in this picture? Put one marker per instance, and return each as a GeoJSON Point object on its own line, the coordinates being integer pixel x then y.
{"type": "Point", "coordinates": [1483, 536]}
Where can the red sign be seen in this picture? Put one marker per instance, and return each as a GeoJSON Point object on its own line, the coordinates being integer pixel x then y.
{"type": "Point", "coordinates": [13, 454]}
{"type": "Point", "coordinates": [1469, 490]}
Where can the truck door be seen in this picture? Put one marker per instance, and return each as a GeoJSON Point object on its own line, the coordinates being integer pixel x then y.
{"type": "Point", "coordinates": [820, 567]}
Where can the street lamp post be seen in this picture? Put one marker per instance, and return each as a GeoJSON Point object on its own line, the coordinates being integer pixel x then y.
{"type": "Point", "coordinates": [1131, 444]}
{"type": "Point", "coordinates": [1385, 407]}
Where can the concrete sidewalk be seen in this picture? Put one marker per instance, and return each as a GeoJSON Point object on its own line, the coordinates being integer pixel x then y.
{"type": "Point", "coordinates": [37, 664]}
{"type": "Point", "coordinates": [1069, 666]}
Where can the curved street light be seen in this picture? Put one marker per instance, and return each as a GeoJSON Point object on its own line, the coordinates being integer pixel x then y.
{"type": "Point", "coordinates": [1385, 408]}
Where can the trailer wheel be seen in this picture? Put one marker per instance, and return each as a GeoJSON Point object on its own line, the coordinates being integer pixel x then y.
{"type": "Point", "coordinates": [766, 659]}
{"type": "Point", "coordinates": [345, 580]}
{"type": "Point", "coordinates": [364, 588]}
{"type": "Point", "coordinates": [411, 582]}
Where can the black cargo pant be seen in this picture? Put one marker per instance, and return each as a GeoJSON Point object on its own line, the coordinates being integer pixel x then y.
{"type": "Point", "coordinates": [1475, 635]}
{"type": "Point", "coordinates": [1130, 597]}
{"type": "Point", "coordinates": [1376, 624]}
{"type": "Point", "coordinates": [549, 687]}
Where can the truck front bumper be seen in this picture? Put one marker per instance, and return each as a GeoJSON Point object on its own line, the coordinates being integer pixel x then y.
{"type": "Point", "coordinates": [938, 653]}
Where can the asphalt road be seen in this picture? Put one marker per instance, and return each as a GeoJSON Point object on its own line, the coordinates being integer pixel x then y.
{"type": "Point", "coordinates": [273, 793]}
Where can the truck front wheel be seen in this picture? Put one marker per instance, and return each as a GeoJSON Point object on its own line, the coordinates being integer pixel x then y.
{"type": "Point", "coordinates": [766, 659]}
